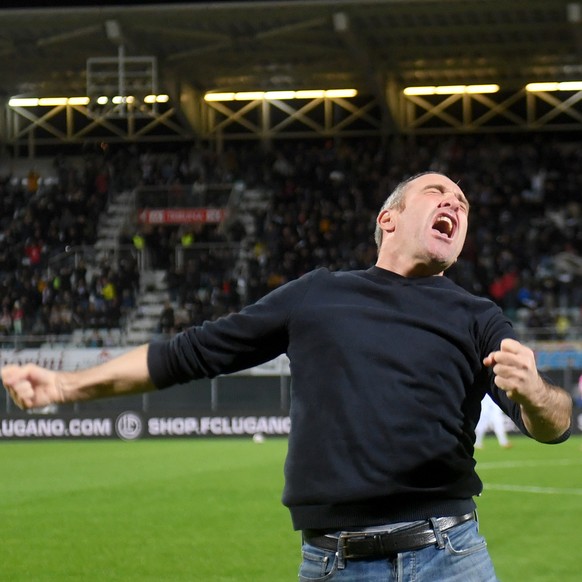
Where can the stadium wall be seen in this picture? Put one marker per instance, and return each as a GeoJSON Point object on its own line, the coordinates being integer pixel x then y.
{"type": "Point", "coordinates": [254, 401]}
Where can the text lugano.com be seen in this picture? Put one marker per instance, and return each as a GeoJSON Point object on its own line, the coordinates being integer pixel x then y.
{"type": "Point", "coordinates": [154, 426]}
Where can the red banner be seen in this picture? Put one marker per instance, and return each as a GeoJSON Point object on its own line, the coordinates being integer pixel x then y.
{"type": "Point", "coordinates": [180, 215]}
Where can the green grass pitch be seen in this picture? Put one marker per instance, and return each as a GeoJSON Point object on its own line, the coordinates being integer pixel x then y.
{"type": "Point", "coordinates": [210, 511]}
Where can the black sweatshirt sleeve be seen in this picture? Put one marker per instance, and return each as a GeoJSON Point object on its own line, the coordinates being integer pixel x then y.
{"type": "Point", "coordinates": [255, 335]}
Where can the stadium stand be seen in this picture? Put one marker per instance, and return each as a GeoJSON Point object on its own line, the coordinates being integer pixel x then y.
{"type": "Point", "coordinates": [304, 204]}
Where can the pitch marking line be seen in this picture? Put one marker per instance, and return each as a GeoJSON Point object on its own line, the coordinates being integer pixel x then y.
{"type": "Point", "coordinates": [520, 464]}
{"type": "Point", "coordinates": [532, 489]}
{"type": "Point", "coordinates": [528, 488]}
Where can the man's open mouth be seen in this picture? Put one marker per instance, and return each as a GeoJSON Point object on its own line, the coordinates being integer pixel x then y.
{"type": "Point", "coordinates": [445, 225]}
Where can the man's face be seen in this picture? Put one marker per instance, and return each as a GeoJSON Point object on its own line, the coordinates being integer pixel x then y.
{"type": "Point", "coordinates": [430, 230]}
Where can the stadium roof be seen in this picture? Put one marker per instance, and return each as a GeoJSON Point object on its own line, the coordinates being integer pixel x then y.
{"type": "Point", "coordinates": [261, 45]}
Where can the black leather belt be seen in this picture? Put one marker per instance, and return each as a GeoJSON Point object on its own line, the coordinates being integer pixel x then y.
{"type": "Point", "coordinates": [358, 545]}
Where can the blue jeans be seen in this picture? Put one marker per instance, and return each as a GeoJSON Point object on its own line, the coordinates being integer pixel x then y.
{"type": "Point", "coordinates": [460, 556]}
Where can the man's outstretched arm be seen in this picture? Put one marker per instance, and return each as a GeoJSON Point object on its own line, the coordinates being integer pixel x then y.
{"type": "Point", "coordinates": [31, 386]}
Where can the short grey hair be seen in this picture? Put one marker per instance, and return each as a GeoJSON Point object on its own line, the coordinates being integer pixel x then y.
{"type": "Point", "coordinates": [396, 200]}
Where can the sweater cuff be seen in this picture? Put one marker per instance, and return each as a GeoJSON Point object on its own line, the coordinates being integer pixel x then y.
{"type": "Point", "coordinates": [156, 365]}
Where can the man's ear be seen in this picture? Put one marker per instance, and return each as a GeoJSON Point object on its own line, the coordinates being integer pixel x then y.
{"type": "Point", "coordinates": [386, 220]}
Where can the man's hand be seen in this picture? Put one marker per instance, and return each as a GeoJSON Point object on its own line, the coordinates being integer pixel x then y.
{"type": "Point", "coordinates": [515, 370]}
{"type": "Point", "coordinates": [31, 386]}
{"type": "Point", "coordinates": [546, 410]}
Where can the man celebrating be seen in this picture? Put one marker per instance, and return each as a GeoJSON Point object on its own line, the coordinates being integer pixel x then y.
{"type": "Point", "coordinates": [389, 366]}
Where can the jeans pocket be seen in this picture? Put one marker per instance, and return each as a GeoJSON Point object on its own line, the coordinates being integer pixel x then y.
{"type": "Point", "coordinates": [317, 564]}
{"type": "Point", "coordinates": [465, 540]}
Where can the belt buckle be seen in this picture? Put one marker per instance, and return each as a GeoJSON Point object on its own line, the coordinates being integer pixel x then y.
{"type": "Point", "coordinates": [373, 539]}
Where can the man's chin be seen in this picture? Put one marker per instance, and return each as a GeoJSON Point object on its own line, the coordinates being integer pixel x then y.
{"type": "Point", "coordinates": [442, 260]}
{"type": "Point", "coordinates": [439, 265]}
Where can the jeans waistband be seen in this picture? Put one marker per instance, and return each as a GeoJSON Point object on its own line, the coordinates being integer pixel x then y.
{"type": "Point", "coordinates": [376, 544]}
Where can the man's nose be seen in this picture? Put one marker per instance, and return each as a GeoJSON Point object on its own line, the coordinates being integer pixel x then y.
{"type": "Point", "coordinates": [450, 200]}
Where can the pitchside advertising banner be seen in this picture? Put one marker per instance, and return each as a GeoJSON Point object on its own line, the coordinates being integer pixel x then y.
{"type": "Point", "coordinates": [129, 424]}
{"type": "Point", "coordinates": [134, 424]}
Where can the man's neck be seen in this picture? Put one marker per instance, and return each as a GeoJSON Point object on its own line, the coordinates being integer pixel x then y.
{"type": "Point", "coordinates": [408, 270]}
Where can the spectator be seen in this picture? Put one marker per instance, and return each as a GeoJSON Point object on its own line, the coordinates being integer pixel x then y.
{"type": "Point", "coordinates": [17, 318]}
{"type": "Point", "coordinates": [94, 340]}
{"type": "Point", "coordinates": [166, 323]}
{"type": "Point", "coordinates": [6, 327]}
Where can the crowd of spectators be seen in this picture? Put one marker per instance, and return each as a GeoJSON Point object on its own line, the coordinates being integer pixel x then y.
{"type": "Point", "coordinates": [48, 223]}
{"type": "Point", "coordinates": [524, 243]}
{"type": "Point", "coordinates": [46, 287]}
{"type": "Point", "coordinates": [523, 247]}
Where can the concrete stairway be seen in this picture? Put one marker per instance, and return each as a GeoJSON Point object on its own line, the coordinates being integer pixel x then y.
{"type": "Point", "coordinates": [111, 222]}
{"type": "Point", "coordinates": [142, 324]}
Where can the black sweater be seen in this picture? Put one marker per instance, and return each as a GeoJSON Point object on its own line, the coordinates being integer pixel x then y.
{"type": "Point", "coordinates": [387, 381]}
